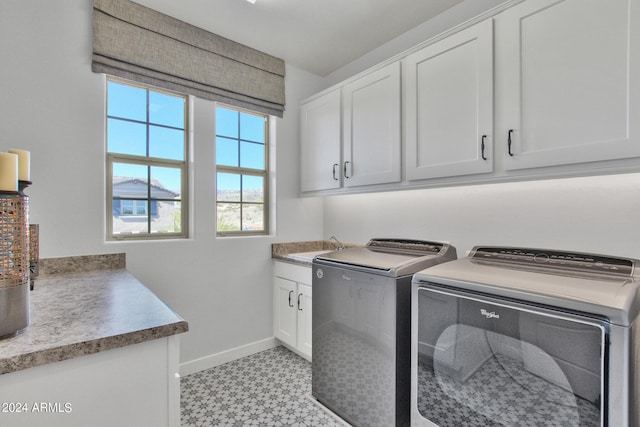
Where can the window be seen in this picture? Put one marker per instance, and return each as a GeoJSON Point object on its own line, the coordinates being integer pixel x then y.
{"type": "Point", "coordinates": [132, 207]}
{"type": "Point", "coordinates": [146, 162]}
{"type": "Point", "coordinates": [241, 172]}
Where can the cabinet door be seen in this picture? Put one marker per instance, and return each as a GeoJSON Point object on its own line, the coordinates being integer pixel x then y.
{"type": "Point", "coordinates": [303, 304]}
{"type": "Point", "coordinates": [371, 128]}
{"type": "Point", "coordinates": [285, 311]}
{"type": "Point", "coordinates": [448, 89]}
{"type": "Point", "coordinates": [567, 82]}
{"type": "Point", "coordinates": [320, 167]}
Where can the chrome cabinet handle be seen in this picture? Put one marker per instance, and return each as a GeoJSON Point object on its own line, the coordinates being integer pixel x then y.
{"type": "Point", "coordinates": [335, 165]}
{"type": "Point", "coordinates": [299, 309]}
{"type": "Point", "coordinates": [482, 147]}
{"type": "Point", "coordinates": [345, 169]}
{"type": "Point", "coordinates": [509, 142]}
{"type": "Point", "coordinates": [290, 292]}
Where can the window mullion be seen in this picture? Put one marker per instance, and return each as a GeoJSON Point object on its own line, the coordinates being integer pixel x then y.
{"type": "Point", "coordinates": [241, 171]}
{"type": "Point", "coordinates": [147, 125]}
{"type": "Point", "coordinates": [241, 198]}
{"type": "Point", "coordinates": [239, 149]}
{"type": "Point", "coordinates": [148, 201]}
{"type": "Point", "coordinates": [153, 161]}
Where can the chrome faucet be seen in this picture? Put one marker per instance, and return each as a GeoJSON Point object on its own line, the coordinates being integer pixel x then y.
{"type": "Point", "coordinates": [339, 245]}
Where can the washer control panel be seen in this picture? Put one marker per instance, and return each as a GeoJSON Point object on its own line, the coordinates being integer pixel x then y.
{"type": "Point", "coordinates": [555, 260]}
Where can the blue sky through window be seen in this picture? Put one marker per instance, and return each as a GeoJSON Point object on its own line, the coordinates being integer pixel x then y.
{"type": "Point", "coordinates": [240, 142]}
{"type": "Point", "coordinates": [142, 126]}
{"type": "Point", "coordinates": [148, 123]}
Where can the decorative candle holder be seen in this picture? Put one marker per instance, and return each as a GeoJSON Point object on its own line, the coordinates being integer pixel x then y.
{"type": "Point", "coordinates": [14, 261]}
{"type": "Point", "coordinates": [34, 252]}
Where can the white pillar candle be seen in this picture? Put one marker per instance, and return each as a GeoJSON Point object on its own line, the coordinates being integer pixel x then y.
{"type": "Point", "coordinates": [24, 164]}
{"type": "Point", "coordinates": [8, 172]}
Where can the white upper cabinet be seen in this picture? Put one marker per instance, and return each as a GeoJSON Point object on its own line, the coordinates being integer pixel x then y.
{"type": "Point", "coordinates": [567, 82]}
{"type": "Point", "coordinates": [532, 88]}
{"type": "Point", "coordinates": [320, 127]}
{"type": "Point", "coordinates": [371, 128]}
{"type": "Point", "coordinates": [448, 90]}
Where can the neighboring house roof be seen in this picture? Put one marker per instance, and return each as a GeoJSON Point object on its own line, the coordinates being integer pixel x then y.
{"type": "Point", "coordinates": [155, 184]}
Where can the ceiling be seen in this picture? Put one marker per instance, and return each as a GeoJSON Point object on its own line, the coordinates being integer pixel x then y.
{"type": "Point", "coordinates": [317, 36]}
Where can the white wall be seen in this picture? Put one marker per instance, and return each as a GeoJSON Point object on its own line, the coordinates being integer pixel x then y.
{"type": "Point", "coordinates": [448, 19]}
{"type": "Point", "coordinates": [53, 105]}
{"type": "Point", "coordinates": [592, 214]}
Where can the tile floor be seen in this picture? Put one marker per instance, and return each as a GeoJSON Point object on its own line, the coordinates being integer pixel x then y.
{"type": "Point", "coordinates": [270, 388]}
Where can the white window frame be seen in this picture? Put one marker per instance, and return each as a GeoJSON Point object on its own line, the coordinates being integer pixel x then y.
{"type": "Point", "coordinates": [242, 171]}
{"type": "Point", "coordinates": [183, 165]}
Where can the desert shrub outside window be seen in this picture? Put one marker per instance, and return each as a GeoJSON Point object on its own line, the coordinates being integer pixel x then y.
{"type": "Point", "coordinates": [146, 162]}
{"type": "Point", "coordinates": [241, 172]}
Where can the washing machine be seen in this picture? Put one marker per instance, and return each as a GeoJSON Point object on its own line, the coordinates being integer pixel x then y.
{"type": "Point", "coordinates": [362, 328]}
{"type": "Point", "coordinates": [526, 337]}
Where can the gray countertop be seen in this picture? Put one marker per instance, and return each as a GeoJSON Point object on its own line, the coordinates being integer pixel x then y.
{"type": "Point", "coordinates": [79, 313]}
{"type": "Point", "coordinates": [290, 251]}
{"type": "Point", "coordinates": [281, 251]}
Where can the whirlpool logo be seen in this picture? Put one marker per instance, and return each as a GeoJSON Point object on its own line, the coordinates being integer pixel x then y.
{"type": "Point", "coordinates": [489, 314]}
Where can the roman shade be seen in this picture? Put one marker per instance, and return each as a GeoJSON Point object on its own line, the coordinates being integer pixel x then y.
{"type": "Point", "coordinates": [137, 43]}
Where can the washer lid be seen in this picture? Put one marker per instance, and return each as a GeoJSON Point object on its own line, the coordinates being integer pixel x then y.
{"type": "Point", "coordinates": [613, 295]}
{"type": "Point", "coordinates": [390, 257]}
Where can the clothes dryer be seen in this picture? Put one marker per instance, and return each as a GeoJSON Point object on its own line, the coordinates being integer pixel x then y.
{"type": "Point", "coordinates": [517, 336]}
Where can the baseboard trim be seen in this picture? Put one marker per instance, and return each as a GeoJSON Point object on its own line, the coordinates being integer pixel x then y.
{"type": "Point", "coordinates": [213, 360]}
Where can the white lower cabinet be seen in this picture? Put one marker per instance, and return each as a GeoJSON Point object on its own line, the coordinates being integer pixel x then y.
{"type": "Point", "coordinates": [134, 385]}
{"type": "Point", "coordinates": [303, 303]}
{"type": "Point", "coordinates": [292, 307]}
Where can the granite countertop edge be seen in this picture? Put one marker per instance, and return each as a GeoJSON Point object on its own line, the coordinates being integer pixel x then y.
{"type": "Point", "coordinates": [289, 260]}
{"type": "Point", "coordinates": [77, 312]}
{"type": "Point", "coordinates": [71, 351]}
{"type": "Point", "coordinates": [281, 251]}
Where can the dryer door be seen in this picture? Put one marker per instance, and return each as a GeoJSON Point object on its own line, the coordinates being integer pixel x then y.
{"type": "Point", "coordinates": [483, 361]}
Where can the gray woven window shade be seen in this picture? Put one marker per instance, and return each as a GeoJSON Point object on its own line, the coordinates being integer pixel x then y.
{"type": "Point", "coordinates": [143, 45]}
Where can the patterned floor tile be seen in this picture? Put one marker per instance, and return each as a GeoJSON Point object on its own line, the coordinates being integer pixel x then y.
{"type": "Point", "coordinates": [269, 388]}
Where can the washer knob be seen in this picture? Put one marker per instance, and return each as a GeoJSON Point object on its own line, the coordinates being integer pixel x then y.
{"type": "Point", "coordinates": [541, 258]}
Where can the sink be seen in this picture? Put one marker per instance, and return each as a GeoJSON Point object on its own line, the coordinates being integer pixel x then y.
{"type": "Point", "coordinates": [307, 256]}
